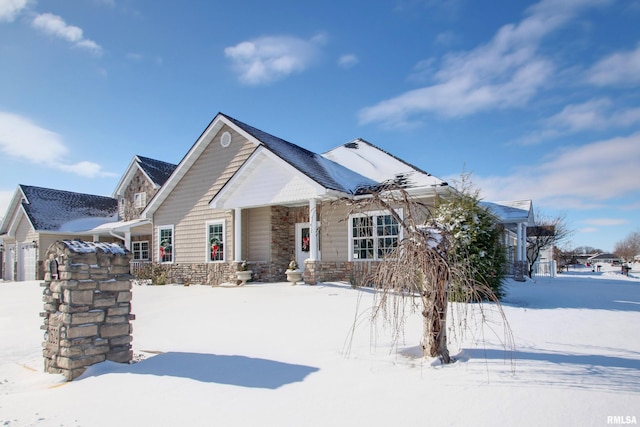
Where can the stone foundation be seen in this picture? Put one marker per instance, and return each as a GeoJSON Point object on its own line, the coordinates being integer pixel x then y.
{"type": "Point", "coordinates": [87, 306]}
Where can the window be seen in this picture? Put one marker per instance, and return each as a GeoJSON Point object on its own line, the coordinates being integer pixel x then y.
{"type": "Point", "coordinates": [373, 235]}
{"type": "Point", "coordinates": [165, 243]}
{"type": "Point", "coordinates": [140, 250]}
{"type": "Point", "coordinates": [215, 237]}
{"type": "Point", "coordinates": [139, 200]}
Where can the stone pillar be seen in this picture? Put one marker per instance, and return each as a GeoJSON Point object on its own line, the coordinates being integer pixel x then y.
{"type": "Point", "coordinates": [87, 306]}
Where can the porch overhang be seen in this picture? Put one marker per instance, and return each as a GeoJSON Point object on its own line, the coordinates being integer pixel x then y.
{"type": "Point", "coordinates": [266, 180]}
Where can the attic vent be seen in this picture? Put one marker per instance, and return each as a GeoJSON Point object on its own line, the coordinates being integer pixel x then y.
{"type": "Point", "coordinates": [225, 139]}
{"type": "Point", "coordinates": [353, 144]}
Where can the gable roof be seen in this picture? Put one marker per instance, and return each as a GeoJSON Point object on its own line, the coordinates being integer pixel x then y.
{"type": "Point", "coordinates": [61, 211]}
{"type": "Point", "coordinates": [381, 166]}
{"type": "Point", "coordinates": [156, 171]}
{"type": "Point", "coordinates": [515, 211]}
{"type": "Point", "coordinates": [326, 172]}
{"type": "Point", "coordinates": [323, 171]}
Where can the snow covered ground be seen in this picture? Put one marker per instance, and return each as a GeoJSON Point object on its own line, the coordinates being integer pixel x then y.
{"type": "Point", "coordinates": [281, 355]}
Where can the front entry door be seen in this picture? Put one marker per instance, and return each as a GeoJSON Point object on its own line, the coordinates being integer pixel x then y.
{"type": "Point", "coordinates": [303, 241]}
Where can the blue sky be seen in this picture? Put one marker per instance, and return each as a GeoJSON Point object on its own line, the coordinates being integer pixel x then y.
{"type": "Point", "coordinates": [537, 100]}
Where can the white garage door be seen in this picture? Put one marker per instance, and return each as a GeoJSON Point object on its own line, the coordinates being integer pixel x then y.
{"type": "Point", "coordinates": [27, 262]}
{"type": "Point", "coordinates": [9, 259]}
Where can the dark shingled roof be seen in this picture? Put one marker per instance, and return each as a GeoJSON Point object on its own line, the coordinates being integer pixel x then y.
{"type": "Point", "coordinates": [322, 170]}
{"type": "Point", "coordinates": [49, 209]}
{"type": "Point", "coordinates": [157, 170]}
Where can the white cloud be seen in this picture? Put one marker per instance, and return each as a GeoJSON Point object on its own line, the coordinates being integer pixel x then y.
{"type": "Point", "coordinates": [505, 72]}
{"type": "Point", "coordinates": [21, 138]}
{"type": "Point", "coordinates": [581, 177]}
{"type": "Point", "coordinates": [56, 26]}
{"type": "Point", "coordinates": [5, 199]}
{"type": "Point", "coordinates": [348, 61]}
{"type": "Point", "coordinates": [595, 114]}
{"type": "Point", "coordinates": [268, 59]}
{"type": "Point", "coordinates": [10, 9]}
{"type": "Point", "coordinates": [605, 221]}
{"type": "Point", "coordinates": [621, 68]}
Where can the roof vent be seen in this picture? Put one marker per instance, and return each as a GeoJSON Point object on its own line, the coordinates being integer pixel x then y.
{"type": "Point", "coordinates": [352, 144]}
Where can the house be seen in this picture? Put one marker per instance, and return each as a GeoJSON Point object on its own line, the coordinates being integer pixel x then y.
{"type": "Point", "coordinates": [140, 182]}
{"type": "Point", "coordinates": [243, 194]}
{"type": "Point", "coordinates": [38, 216]}
{"type": "Point", "coordinates": [515, 217]}
{"type": "Point", "coordinates": [603, 258]}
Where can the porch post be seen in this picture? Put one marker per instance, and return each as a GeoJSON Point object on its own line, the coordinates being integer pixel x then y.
{"type": "Point", "coordinates": [519, 243]}
{"type": "Point", "coordinates": [313, 231]}
{"type": "Point", "coordinates": [237, 237]}
{"type": "Point", "coordinates": [127, 240]}
{"type": "Point", "coordinates": [524, 241]}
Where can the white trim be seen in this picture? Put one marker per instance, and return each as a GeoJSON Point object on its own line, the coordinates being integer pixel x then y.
{"type": "Point", "coordinates": [190, 158]}
{"type": "Point", "coordinates": [173, 243]}
{"type": "Point", "coordinates": [237, 235]}
{"type": "Point", "coordinates": [255, 159]}
{"type": "Point", "coordinates": [222, 222]}
{"type": "Point", "coordinates": [149, 249]}
{"type": "Point", "coordinates": [374, 236]}
{"type": "Point", "coordinates": [139, 197]}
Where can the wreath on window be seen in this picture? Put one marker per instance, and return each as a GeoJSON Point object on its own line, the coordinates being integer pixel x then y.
{"type": "Point", "coordinates": [215, 247]}
{"type": "Point", "coordinates": [165, 247]}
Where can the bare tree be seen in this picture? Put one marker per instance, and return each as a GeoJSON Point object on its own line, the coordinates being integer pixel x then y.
{"type": "Point", "coordinates": [418, 270]}
{"type": "Point", "coordinates": [628, 247]}
{"type": "Point", "coordinates": [585, 250]}
{"type": "Point", "coordinates": [548, 232]}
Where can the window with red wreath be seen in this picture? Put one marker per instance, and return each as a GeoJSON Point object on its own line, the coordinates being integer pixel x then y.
{"type": "Point", "coordinates": [215, 234]}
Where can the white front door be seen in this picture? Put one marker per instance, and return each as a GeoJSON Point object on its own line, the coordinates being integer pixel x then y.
{"type": "Point", "coordinates": [303, 241]}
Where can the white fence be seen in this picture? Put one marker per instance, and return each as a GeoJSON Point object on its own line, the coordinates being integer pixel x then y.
{"type": "Point", "coordinates": [545, 269]}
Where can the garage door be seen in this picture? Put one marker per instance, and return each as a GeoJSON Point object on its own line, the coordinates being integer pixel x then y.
{"type": "Point", "coordinates": [27, 262]}
{"type": "Point", "coordinates": [9, 259]}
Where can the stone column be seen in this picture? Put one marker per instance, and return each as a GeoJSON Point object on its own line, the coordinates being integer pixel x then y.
{"type": "Point", "coordinates": [87, 306]}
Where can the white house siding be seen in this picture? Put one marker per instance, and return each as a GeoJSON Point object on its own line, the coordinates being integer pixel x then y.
{"type": "Point", "coordinates": [187, 207]}
{"type": "Point", "coordinates": [256, 234]}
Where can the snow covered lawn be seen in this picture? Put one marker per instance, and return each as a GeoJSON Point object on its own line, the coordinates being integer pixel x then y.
{"type": "Point", "coordinates": [281, 355]}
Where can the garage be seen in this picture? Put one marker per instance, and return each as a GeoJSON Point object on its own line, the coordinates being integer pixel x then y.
{"type": "Point", "coordinates": [26, 261]}
{"type": "Point", "coordinates": [9, 260]}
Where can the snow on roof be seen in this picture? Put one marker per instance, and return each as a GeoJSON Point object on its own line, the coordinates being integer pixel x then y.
{"type": "Point", "coordinates": [510, 211]}
{"type": "Point", "coordinates": [380, 166]}
{"type": "Point", "coordinates": [157, 170]}
{"type": "Point", "coordinates": [325, 171]}
{"type": "Point", "coordinates": [90, 247]}
{"type": "Point", "coordinates": [57, 210]}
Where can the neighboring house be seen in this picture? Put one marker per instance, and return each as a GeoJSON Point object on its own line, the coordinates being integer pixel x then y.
{"type": "Point", "coordinates": [515, 216]}
{"type": "Point", "coordinates": [140, 182]}
{"type": "Point", "coordinates": [603, 258]}
{"type": "Point", "coordinates": [38, 216]}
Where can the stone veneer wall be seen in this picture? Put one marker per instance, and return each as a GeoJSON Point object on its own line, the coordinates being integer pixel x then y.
{"type": "Point", "coordinates": [87, 306]}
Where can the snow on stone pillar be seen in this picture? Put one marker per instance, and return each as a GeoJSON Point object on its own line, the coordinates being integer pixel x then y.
{"type": "Point", "coordinates": [87, 306]}
{"type": "Point", "coordinates": [237, 238]}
